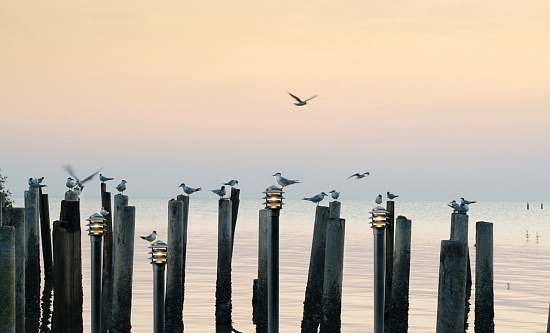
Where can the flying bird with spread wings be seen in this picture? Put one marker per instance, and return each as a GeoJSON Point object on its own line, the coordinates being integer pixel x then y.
{"type": "Point", "coordinates": [300, 102]}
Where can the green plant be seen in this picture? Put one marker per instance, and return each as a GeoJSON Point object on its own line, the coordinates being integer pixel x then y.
{"type": "Point", "coordinates": [8, 202]}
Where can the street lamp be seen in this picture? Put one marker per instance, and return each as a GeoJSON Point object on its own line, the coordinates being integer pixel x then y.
{"type": "Point", "coordinates": [274, 204]}
{"type": "Point", "coordinates": [378, 224]}
{"type": "Point", "coordinates": [96, 228]}
{"type": "Point", "coordinates": [158, 254]}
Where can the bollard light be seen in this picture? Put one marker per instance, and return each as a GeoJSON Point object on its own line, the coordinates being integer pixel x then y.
{"type": "Point", "coordinates": [379, 218]}
{"type": "Point", "coordinates": [379, 221]}
{"type": "Point", "coordinates": [96, 227]}
{"type": "Point", "coordinates": [158, 254]}
{"type": "Point", "coordinates": [273, 197]}
{"type": "Point", "coordinates": [159, 250]}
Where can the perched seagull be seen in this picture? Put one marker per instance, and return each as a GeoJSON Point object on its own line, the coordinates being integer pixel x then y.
{"type": "Point", "coordinates": [35, 184]}
{"type": "Point", "coordinates": [103, 212]}
{"type": "Point", "coordinates": [335, 195]}
{"type": "Point", "coordinates": [378, 199]}
{"type": "Point", "coordinates": [70, 183]}
{"type": "Point", "coordinates": [220, 192]}
{"type": "Point", "coordinates": [79, 182]}
{"type": "Point", "coordinates": [151, 237]}
{"type": "Point", "coordinates": [391, 196]}
{"type": "Point", "coordinates": [300, 102]}
{"type": "Point", "coordinates": [122, 186]}
{"type": "Point", "coordinates": [283, 181]}
{"type": "Point", "coordinates": [466, 202]}
{"type": "Point", "coordinates": [359, 175]}
{"type": "Point", "coordinates": [104, 179]}
{"type": "Point", "coordinates": [316, 198]}
{"type": "Point", "coordinates": [189, 190]}
{"type": "Point", "coordinates": [38, 180]}
{"type": "Point", "coordinates": [459, 208]}
{"type": "Point", "coordinates": [232, 182]}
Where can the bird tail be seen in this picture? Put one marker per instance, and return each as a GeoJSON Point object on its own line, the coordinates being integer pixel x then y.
{"type": "Point", "coordinates": [199, 189]}
{"type": "Point", "coordinates": [142, 237]}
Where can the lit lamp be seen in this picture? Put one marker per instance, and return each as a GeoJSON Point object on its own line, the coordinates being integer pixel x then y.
{"type": "Point", "coordinates": [159, 251]}
{"type": "Point", "coordinates": [274, 204]}
{"type": "Point", "coordinates": [96, 228]}
{"type": "Point", "coordinates": [379, 222]}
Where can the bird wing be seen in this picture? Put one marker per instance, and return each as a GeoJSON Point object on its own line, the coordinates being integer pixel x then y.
{"type": "Point", "coordinates": [90, 177]}
{"type": "Point", "coordinates": [70, 170]}
{"type": "Point", "coordinates": [296, 98]}
{"type": "Point", "coordinates": [354, 175]}
{"type": "Point", "coordinates": [312, 97]}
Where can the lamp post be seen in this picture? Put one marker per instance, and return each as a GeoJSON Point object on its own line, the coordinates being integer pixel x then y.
{"type": "Point", "coordinates": [158, 254]}
{"type": "Point", "coordinates": [96, 228]}
{"type": "Point", "coordinates": [274, 204]}
{"type": "Point", "coordinates": [378, 225]}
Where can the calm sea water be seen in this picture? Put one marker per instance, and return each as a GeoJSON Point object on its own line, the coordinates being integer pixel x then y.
{"type": "Point", "coordinates": [521, 263]}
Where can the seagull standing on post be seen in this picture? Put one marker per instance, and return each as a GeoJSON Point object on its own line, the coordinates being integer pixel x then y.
{"type": "Point", "coordinates": [220, 192]}
{"type": "Point", "coordinates": [104, 179]}
{"type": "Point", "coordinates": [283, 181]}
{"type": "Point", "coordinates": [300, 102]}
{"type": "Point", "coordinates": [316, 198]}
{"type": "Point", "coordinates": [391, 196]}
{"type": "Point", "coordinates": [122, 186]}
{"type": "Point", "coordinates": [335, 195]}
{"type": "Point", "coordinates": [151, 237]}
{"type": "Point", "coordinates": [378, 199]}
{"type": "Point", "coordinates": [189, 190]}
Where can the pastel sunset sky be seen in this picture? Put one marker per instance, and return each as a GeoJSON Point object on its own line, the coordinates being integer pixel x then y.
{"type": "Point", "coordinates": [437, 99]}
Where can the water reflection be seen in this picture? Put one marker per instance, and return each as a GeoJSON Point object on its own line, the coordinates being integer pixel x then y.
{"type": "Point", "coordinates": [46, 306]}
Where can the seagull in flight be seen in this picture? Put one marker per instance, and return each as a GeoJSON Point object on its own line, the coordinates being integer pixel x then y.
{"type": "Point", "coordinates": [283, 181]}
{"type": "Point", "coordinates": [189, 190]}
{"type": "Point", "coordinates": [316, 198]}
{"type": "Point", "coordinates": [79, 182]}
{"type": "Point", "coordinates": [359, 175]}
{"type": "Point", "coordinates": [300, 102]}
{"type": "Point", "coordinates": [335, 195]}
{"type": "Point", "coordinates": [391, 196]}
{"type": "Point", "coordinates": [151, 237]}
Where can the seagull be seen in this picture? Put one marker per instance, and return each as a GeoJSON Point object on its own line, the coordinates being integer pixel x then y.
{"type": "Point", "coordinates": [378, 199]}
{"type": "Point", "coordinates": [70, 183]}
{"type": "Point", "coordinates": [391, 196]}
{"type": "Point", "coordinates": [316, 198]}
{"type": "Point", "coordinates": [104, 179]}
{"type": "Point", "coordinates": [121, 187]}
{"type": "Point", "coordinates": [189, 190]}
{"type": "Point", "coordinates": [151, 237]}
{"type": "Point", "coordinates": [459, 208]}
{"type": "Point", "coordinates": [220, 192]}
{"type": "Point", "coordinates": [103, 212]}
{"type": "Point", "coordinates": [359, 175]}
{"type": "Point", "coordinates": [335, 195]}
{"type": "Point", "coordinates": [38, 180]}
{"type": "Point", "coordinates": [78, 181]}
{"type": "Point", "coordinates": [466, 202]}
{"type": "Point", "coordinates": [283, 181]}
{"type": "Point", "coordinates": [232, 182]}
{"type": "Point", "coordinates": [35, 184]}
{"type": "Point", "coordinates": [300, 102]}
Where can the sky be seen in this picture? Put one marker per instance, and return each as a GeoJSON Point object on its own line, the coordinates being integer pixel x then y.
{"type": "Point", "coordinates": [436, 99]}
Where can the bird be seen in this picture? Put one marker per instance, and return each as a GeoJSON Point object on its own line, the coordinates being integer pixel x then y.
{"type": "Point", "coordinates": [466, 202]}
{"type": "Point", "coordinates": [335, 195]}
{"type": "Point", "coordinates": [391, 196]}
{"type": "Point", "coordinates": [35, 184]}
{"type": "Point", "coordinates": [189, 190]}
{"type": "Point", "coordinates": [316, 198]}
{"type": "Point", "coordinates": [70, 183]}
{"type": "Point", "coordinates": [300, 102]}
{"type": "Point", "coordinates": [38, 180]}
{"type": "Point", "coordinates": [359, 175]}
{"type": "Point", "coordinates": [220, 191]}
{"type": "Point", "coordinates": [79, 182]}
{"type": "Point", "coordinates": [232, 182]}
{"type": "Point", "coordinates": [378, 199]}
{"type": "Point", "coordinates": [103, 212]}
{"type": "Point", "coordinates": [122, 186]}
{"type": "Point", "coordinates": [151, 237]}
{"type": "Point", "coordinates": [459, 208]}
{"type": "Point", "coordinates": [283, 181]}
{"type": "Point", "coordinates": [104, 179]}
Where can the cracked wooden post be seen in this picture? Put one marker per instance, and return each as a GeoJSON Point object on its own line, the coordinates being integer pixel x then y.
{"type": "Point", "coordinates": [399, 308]}
{"type": "Point", "coordinates": [45, 234]}
{"type": "Point", "coordinates": [7, 279]}
{"type": "Point", "coordinates": [107, 281]}
{"type": "Point", "coordinates": [173, 320]}
{"type": "Point", "coordinates": [32, 264]}
{"type": "Point", "coordinates": [15, 217]}
{"type": "Point", "coordinates": [485, 297]}
{"type": "Point", "coordinates": [223, 279]}
{"type": "Point", "coordinates": [459, 232]}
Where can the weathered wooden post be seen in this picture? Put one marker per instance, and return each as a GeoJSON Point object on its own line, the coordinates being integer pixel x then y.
{"type": "Point", "coordinates": [185, 200]}
{"type": "Point", "coordinates": [173, 321]}
{"type": "Point", "coordinates": [235, 193]}
{"type": "Point", "coordinates": [2, 199]}
{"type": "Point", "coordinates": [106, 279]}
{"type": "Point", "coordinates": [45, 234]}
{"type": "Point", "coordinates": [452, 287]}
{"type": "Point", "coordinates": [315, 278]}
{"type": "Point", "coordinates": [459, 232]}
{"type": "Point", "coordinates": [399, 319]}
{"type": "Point", "coordinates": [548, 324]}
{"type": "Point", "coordinates": [7, 279]}
{"type": "Point", "coordinates": [484, 299]}
{"type": "Point", "coordinates": [15, 217]}
{"type": "Point", "coordinates": [390, 208]}
{"type": "Point", "coordinates": [260, 304]}
{"type": "Point", "coordinates": [223, 278]}
{"type": "Point", "coordinates": [67, 275]}
{"type": "Point", "coordinates": [32, 265]}
{"type": "Point", "coordinates": [123, 259]}
{"type": "Point", "coordinates": [334, 268]}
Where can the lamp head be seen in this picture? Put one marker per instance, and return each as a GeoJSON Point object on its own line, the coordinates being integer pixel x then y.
{"type": "Point", "coordinates": [379, 218]}
{"type": "Point", "coordinates": [96, 227]}
{"type": "Point", "coordinates": [273, 197]}
{"type": "Point", "coordinates": [159, 250]}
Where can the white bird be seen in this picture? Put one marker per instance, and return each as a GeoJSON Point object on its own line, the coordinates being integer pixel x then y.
{"type": "Point", "coordinates": [391, 196]}
{"type": "Point", "coordinates": [103, 212]}
{"type": "Point", "coordinates": [189, 190]}
{"type": "Point", "coordinates": [283, 181]}
{"type": "Point", "coordinates": [316, 198]}
{"type": "Point", "coordinates": [151, 237]}
{"type": "Point", "coordinates": [378, 199]}
{"type": "Point", "coordinates": [335, 195]}
{"type": "Point", "coordinates": [34, 183]}
{"type": "Point", "coordinates": [79, 182]}
{"type": "Point", "coordinates": [38, 180]}
{"type": "Point", "coordinates": [359, 175]}
{"type": "Point", "coordinates": [232, 182]}
{"type": "Point", "coordinates": [70, 183]}
{"type": "Point", "coordinates": [466, 202]}
{"type": "Point", "coordinates": [77, 189]}
{"type": "Point", "coordinates": [459, 208]}
{"type": "Point", "coordinates": [104, 179]}
{"type": "Point", "coordinates": [220, 191]}
{"type": "Point", "coordinates": [122, 186]}
{"type": "Point", "coordinates": [300, 102]}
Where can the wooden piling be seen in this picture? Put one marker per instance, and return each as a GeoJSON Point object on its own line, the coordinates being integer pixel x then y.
{"type": "Point", "coordinates": [185, 200]}
{"type": "Point", "coordinates": [107, 281]}
{"type": "Point", "coordinates": [223, 278]}
{"type": "Point", "coordinates": [123, 259]}
{"type": "Point", "coordinates": [390, 207]}
{"type": "Point", "coordinates": [2, 199]}
{"type": "Point", "coordinates": [71, 196]}
{"type": "Point", "coordinates": [333, 272]}
{"type": "Point", "coordinates": [173, 320]}
{"type": "Point", "coordinates": [32, 264]}
{"type": "Point", "coordinates": [315, 278]}
{"type": "Point", "coordinates": [67, 275]}
{"type": "Point", "coordinates": [484, 297]}
{"type": "Point", "coordinates": [399, 302]}
{"type": "Point", "coordinates": [7, 279]}
{"type": "Point", "coordinates": [459, 232]}
{"type": "Point", "coordinates": [452, 287]}
{"type": "Point", "coordinates": [259, 300]}
{"type": "Point", "coordinates": [15, 217]}
{"type": "Point", "coordinates": [235, 193]}
{"type": "Point", "coordinates": [45, 234]}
